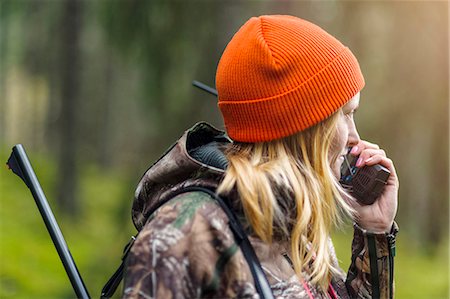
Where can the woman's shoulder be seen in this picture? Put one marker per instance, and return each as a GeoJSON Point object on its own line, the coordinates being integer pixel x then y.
{"type": "Point", "coordinates": [185, 219]}
{"type": "Point", "coordinates": [187, 242]}
{"type": "Point", "coordinates": [185, 209]}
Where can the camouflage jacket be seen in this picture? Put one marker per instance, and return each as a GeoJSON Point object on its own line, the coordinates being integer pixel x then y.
{"type": "Point", "coordinates": [185, 248]}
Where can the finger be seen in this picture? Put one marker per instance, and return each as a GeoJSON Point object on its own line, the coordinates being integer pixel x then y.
{"type": "Point", "coordinates": [384, 161]}
{"type": "Point", "coordinates": [362, 145]}
{"type": "Point", "coordinates": [367, 153]}
{"type": "Point", "coordinates": [378, 159]}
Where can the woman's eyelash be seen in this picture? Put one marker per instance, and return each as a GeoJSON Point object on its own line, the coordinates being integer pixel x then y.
{"type": "Point", "coordinates": [353, 112]}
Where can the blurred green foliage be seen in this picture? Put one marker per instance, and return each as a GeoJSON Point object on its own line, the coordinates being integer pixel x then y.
{"type": "Point", "coordinates": [419, 272]}
{"type": "Point", "coordinates": [30, 266]}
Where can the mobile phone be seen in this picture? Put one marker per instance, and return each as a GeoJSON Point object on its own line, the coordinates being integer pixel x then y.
{"type": "Point", "coordinates": [365, 184]}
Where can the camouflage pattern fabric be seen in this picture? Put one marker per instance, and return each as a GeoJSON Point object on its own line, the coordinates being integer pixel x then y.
{"type": "Point", "coordinates": [359, 273]}
{"type": "Point", "coordinates": [187, 251]}
{"type": "Point", "coordinates": [185, 248]}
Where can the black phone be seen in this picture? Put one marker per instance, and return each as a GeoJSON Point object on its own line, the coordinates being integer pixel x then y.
{"type": "Point", "coordinates": [365, 184]}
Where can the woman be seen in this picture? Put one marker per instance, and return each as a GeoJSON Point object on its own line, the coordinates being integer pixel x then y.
{"type": "Point", "coordinates": [287, 92]}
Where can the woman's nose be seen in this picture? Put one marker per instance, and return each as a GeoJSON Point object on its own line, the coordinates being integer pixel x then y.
{"type": "Point", "coordinates": [353, 136]}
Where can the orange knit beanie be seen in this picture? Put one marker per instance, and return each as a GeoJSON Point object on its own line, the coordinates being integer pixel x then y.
{"type": "Point", "coordinates": [280, 75]}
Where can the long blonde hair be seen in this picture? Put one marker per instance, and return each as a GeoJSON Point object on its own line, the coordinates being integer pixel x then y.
{"type": "Point", "coordinates": [288, 191]}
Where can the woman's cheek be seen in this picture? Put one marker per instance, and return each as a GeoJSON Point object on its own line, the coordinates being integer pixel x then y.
{"type": "Point", "coordinates": [338, 147]}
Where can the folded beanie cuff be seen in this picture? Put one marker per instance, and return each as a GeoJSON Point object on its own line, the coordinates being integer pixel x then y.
{"type": "Point", "coordinates": [313, 101]}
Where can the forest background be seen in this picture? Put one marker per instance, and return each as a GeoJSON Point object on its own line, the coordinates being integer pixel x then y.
{"type": "Point", "coordinates": [97, 90]}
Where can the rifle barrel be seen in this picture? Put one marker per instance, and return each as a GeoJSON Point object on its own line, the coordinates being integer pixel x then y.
{"type": "Point", "coordinates": [27, 174]}
{"type": "Point", "coordinates": [205, 87]}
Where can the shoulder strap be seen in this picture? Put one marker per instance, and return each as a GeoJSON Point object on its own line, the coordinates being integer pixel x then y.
{"type": "Point", "coordinates": [111, 286]}
{"type": "Point", "coordinates": [261, 284]}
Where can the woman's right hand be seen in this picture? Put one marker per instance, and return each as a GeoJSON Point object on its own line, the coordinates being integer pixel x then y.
{"type": "Point", "coordinates": [379, 216]}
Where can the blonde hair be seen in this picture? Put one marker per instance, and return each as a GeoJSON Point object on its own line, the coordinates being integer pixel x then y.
{"type": "Point", "coordinates": [287, 190]}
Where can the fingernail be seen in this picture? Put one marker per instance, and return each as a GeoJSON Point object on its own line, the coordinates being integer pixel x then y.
{"type": "Point", "coordinates": [358, 162]}
{"type": "Point", "coordinates": [354, 149]}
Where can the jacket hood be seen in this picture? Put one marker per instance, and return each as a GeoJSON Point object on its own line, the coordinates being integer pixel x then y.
{"type": "Point", "coordinates": [196, 158]}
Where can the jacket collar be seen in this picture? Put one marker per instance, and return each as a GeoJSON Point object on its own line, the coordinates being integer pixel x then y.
{"type": "Point", "coordinates": [196, 158]}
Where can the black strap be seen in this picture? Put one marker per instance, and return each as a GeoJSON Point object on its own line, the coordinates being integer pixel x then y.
{"type": "Point", "coordinates": [111, 286]}
{"type": "Point", "coordinates": [261, 283]}
{"type": "Point", "coordinates": [373, 266]}
{"type": "Point", "coordinates": [391, 242]}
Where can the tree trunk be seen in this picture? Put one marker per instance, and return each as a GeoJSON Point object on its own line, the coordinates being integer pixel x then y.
{"type": "Point", "coordinates": [68, 122]}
